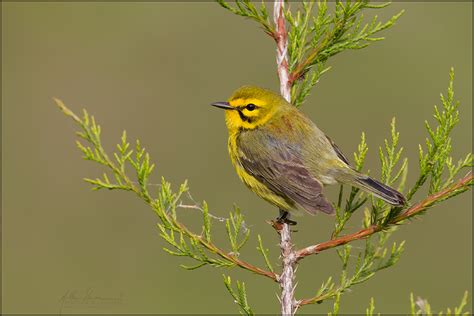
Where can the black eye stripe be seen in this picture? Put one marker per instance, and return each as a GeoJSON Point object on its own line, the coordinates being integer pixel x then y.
{"type": "Point", "coordinates": [244, 118]}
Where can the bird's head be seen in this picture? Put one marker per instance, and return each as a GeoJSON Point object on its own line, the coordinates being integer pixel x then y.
{"type": "Point", "coordinates": [250, 107]}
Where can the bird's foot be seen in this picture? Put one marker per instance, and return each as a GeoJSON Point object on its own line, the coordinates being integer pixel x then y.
{"type": "Point", "coordinates": [284, 218]}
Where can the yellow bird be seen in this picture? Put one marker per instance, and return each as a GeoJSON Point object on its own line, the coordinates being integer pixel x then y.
{"type": "Point", "coordinates": [284, 158]}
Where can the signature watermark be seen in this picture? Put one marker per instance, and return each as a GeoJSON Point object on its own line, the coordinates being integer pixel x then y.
{"type": "Point", "coordinates": [77, 300]}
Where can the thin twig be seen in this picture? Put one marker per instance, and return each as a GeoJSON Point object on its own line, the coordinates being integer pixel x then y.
{"type": "Point", "coordinates": [197, 207]}
{"type": "Point", "coordinates": [223, 254]}
{"type": "Point", "coordinates": [281, 38]}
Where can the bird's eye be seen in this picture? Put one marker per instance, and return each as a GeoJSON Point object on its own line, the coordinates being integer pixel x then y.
{"type": "Point", "coordinates": [250, 107]}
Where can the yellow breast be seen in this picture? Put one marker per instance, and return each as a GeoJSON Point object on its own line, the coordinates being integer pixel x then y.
{"type": "Point", "coordinates": [251, 182]}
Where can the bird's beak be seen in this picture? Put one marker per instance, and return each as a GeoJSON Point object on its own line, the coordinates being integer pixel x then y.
{"type": "Point", "coordinates": [223, 105]}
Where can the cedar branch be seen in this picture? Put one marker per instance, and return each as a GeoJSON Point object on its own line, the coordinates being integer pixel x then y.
{"type": "Point", "coordinates": [151, 202]}
{"type": "Point", "coordinates": [461, 184]}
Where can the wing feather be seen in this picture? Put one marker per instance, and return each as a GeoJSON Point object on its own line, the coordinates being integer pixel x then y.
{"type": "Point", "coordinates": [278, 165]}
{"type": "Point", "coordinates": [338, 151]}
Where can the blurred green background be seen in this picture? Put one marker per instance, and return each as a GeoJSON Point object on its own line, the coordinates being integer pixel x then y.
{"type": "Point", "coordinates": [153, 69]}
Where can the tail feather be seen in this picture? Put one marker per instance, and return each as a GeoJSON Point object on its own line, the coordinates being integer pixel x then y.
{"type": "Point", "coordinates": [381, 190]}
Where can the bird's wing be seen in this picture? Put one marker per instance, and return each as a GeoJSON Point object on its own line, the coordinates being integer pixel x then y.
{"type": "Point", "coordinates": [278, 164]}
{"type": "Point", "coordinates": [338, 151]}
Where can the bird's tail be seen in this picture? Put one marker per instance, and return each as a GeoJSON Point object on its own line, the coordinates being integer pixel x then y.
{"type": "Point", "coordinates": [380, 190]}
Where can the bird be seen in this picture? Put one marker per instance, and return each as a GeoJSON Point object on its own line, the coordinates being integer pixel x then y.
{"type": "Point", "coordinates": [282, 156]}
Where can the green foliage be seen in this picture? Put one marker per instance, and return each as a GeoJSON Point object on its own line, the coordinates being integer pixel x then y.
{"type": "Point", "coordinates": [374, 258]}
{"type": "Point", "coordinates": [422, 307]}
{"type": "Point", "coordinates": [314, 39]}
{"type": "Point", "coordinates": [337, 299]}
{"type": "Point", "coordinates": [264, 253]}
{"type": "Point", "coordinates": [389, 156]}
{"type": "Point", "coordinates": [247, 9]}
{"type": "Point", "coordinates": [435, 159]}
{"type": "Point", "coordinates": [181, 241]}
{"type": "Point", "coordinates": [376, 255]}
{"type": "Point", "coordinates": [235, 227]}
{"type": "Point", "coordinates": [370, 310]}
{"type": "Point", "coordinates": [316, 34]}
{"type": "Point", "coordinates": [380, 213]}
{"type": "Point", "coordinates": [240, 297]}
{"type": "Point", "coordinates": [355, 200]}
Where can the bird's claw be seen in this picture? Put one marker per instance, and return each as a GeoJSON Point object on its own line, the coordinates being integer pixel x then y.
{"type": "Point", "coordinates": [284, 218]}
{"type": "Point", "coordinates": [286, 221]}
